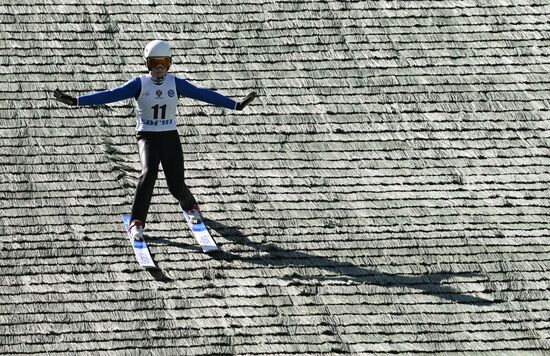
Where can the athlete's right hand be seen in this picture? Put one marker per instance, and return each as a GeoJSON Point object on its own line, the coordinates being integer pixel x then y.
{"type": "Point", "coordinates": [64, 98]}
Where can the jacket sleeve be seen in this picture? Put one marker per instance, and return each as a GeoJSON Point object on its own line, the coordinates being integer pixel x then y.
{"type": "Point", "coordinates": [186, 89]}
{"type": "Point", "coordinates": [130, 89]}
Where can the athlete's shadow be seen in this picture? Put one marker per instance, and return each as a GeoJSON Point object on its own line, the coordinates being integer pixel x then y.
{"type": "Point", "coordinates": [273, 255]}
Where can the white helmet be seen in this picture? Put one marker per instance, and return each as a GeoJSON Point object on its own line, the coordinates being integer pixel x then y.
{"type": "Point", "coordinates": [157, 48]}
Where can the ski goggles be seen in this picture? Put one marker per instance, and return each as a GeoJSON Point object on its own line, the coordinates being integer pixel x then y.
{"type": "Point", "coordinates": [164, 62]}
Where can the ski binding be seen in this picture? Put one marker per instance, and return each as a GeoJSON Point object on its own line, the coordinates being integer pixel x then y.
{"type": "Point", "coordinates": [140, 247]}
{"type": "Point", "coordinates": [201, 234]}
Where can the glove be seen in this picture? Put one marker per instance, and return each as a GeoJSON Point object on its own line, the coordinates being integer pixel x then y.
{"type": "Point", "coordinates": [241, 105]}
{"type": "Point", "coordinates": [64, 98]}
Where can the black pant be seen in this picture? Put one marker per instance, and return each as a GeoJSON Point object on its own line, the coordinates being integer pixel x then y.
{"type": "Point", "coordinates": [154, 148]}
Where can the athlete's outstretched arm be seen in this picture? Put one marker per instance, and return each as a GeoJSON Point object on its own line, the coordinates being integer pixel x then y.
{"type": "Point", "coordinates": [187, 89]}
{"type": "Point", "coordinates": [130, 89]}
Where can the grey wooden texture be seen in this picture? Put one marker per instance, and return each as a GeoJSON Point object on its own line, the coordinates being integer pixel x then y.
{"type": "Point", "coordinates": [387, 192]}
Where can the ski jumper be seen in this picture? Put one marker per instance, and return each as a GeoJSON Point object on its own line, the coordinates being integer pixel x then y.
{"type": "Point", "coordinates": [157, 136]}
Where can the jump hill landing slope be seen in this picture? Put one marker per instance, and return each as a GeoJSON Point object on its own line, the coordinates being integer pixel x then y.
{"type": "Point", "coordinates": [386, 193]}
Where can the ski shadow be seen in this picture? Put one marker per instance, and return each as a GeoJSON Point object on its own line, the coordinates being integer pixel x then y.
{"type": "Point", "coordinates": [274, 256]}
{"type": "Point", "coordinates": [159, 275]}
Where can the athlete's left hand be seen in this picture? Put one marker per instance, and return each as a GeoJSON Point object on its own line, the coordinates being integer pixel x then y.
{"type": "Point", "coordinates": [241, 105]}
{"type": "Point", "coordinates": [64, 98]}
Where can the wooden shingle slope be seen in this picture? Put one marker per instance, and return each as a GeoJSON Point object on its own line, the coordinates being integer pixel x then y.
{"type": "Point", "coordinates": [386, 193]}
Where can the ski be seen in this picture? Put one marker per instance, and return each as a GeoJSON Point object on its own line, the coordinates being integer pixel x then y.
{"type": "Point", "coordinates": [201, 233]}
{"type": "Point", "coordinates": [140, 247]}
